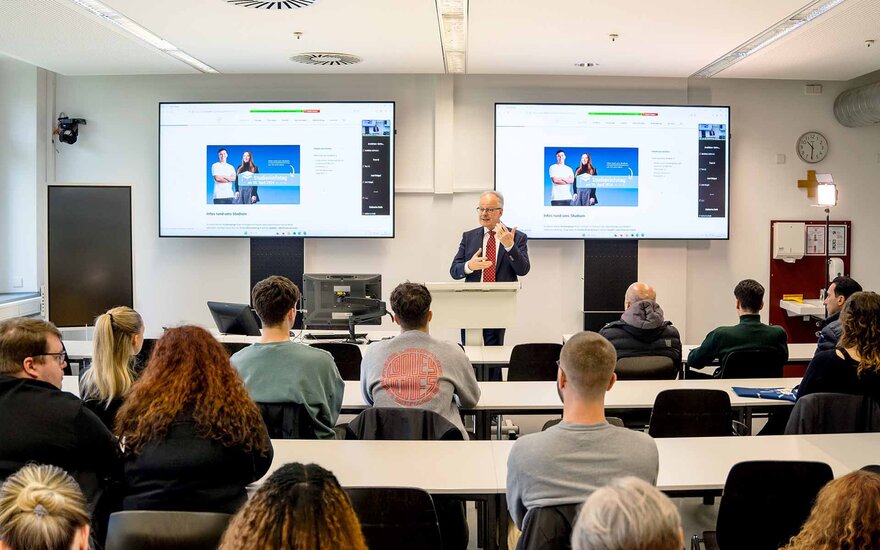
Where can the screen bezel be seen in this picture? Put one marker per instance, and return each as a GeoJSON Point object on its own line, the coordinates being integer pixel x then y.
{"type": "Point", "coordinates": [729, 167]}
{"type": "Point", "coordinates": [393, 172]}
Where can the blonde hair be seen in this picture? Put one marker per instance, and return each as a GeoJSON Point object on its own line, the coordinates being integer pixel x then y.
{"type": "Point", "coordinates": [628, 513]}
{"type": "Point", "coordinates": [41, 508]}
{"type": "Point", "coordinates": [111, 375]}
{"type": "Point", "coordinates": [846, 515]}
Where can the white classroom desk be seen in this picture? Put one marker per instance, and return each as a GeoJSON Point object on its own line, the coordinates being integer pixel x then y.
{"type": "Point", "coordinates": [82, 349]}
{"type": "Point", "coordinates": [527, 397]}
{"type": "Point", "coordinates": [797, 353]}
{"type": "Point", "coordinates": [702, 463]}
{"type": "Point", "coordinates": [478, 469]}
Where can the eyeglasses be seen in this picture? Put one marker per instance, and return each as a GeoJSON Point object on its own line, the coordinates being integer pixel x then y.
{"type": "Point", "coordinates": [61, 356]}
{"type": "Point", "coordinates": [487, 210]}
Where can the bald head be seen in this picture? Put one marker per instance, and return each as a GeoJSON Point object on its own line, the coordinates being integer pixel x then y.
{"type": "Point", "coordinates": [638, 292]}
{"type": "Point", "coordinates": [588, 361]}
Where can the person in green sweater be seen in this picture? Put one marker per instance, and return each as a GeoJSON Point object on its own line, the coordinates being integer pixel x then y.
{"type": "Point", "coordinates": [276, 370]}
{"type": "Point", "coordinates": [749, 334]}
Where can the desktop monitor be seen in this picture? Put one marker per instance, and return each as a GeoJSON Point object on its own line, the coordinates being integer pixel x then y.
{"type": "Point", "coordinates": [235, 318]}
{"type": "Point", "coordinates": [326, 299]}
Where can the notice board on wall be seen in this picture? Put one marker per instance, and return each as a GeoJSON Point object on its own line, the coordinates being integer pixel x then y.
{"type": "Point", "coordinates": [90, 252]}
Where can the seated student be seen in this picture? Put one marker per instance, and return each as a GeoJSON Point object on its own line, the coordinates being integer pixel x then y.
{"type": "Point", "coordinates": [297, 507]}
{"type": "Point", "coordinates": [846, 515]}
{"type": "Point", "coordinates": [749, 334]}
{"type": "Point", "coordinates": [42, 508]}
{"type": "Point", "coordinates": [628, 514]}
{"type": "Point", "coordinates": [840, 289]}
{"type": "Point", "coordinates": [642, 330]}
{"type": "Point", "coordinates": [119, 336]}
{"type": "Point", "coordinates": [192, 437]}
{"type": "Point", "coordinates": [854, 367]}
{"type": "Point", "coordinates": [567, 462]}
{"type": "Point", "coordinates": [415, 370]}
{"type": "Point", "coordinates": [41, 423]}
{"type": "Point", "coordinates": [276, 370]}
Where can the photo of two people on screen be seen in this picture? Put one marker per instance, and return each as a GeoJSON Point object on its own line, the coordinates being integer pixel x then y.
{"type": "Point", "coordinates": [606, 174]}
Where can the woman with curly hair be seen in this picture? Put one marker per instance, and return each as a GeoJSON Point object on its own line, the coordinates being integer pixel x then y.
{"type": "Point", "coordinates": [854, 367]}
{"type": "Point", "coordinates": [192, 438]}
{"type": "Point", "coordinates": [119, 337]}
{"type": "Point", "coordinates": [846, 515]}
{"type": "Point", "coordinates": [299, 507]}
{"type": "Point", "coordinates": [42, 508]}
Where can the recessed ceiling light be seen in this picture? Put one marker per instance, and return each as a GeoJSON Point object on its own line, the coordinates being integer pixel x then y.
{"type": "Point", "coordinates": [452, 16]}
{"type": "Point", "coordinates": [109, 14]}
{"type": "Point", "coordinates": [768, 36]}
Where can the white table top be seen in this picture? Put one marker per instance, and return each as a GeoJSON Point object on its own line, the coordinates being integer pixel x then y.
{"type": "Point", "coordinates": [626, 394]}
{"type": "Point", "coordinates": [82, 349]}
{"type": "Point", "coordinates": [480, 467]}
{"type": "Point", "coordinates": [459, 467]}
{"type": "Point", "coordinates": [523, 396]}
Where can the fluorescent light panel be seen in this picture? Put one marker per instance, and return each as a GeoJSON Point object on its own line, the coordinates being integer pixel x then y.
{"type": "Point", "coordinates": [792, 22]}
{"type": "Point", "coordinates": [452, 18]}
{"type": "Point", "coordinates": [109, 14]}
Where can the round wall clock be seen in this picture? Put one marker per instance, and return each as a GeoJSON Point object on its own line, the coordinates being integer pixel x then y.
{"type": "Point", "coordinates": [812, 147]}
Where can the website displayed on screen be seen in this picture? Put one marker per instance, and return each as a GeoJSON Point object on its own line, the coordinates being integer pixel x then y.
{"type": "Point", "coordinates": [276, 169]}
{"type": "Point", "coordinates": [614, 171]}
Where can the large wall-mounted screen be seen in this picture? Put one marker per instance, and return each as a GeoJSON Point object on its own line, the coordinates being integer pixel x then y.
{"type": "Point", "coordinates": [276, 169]}
{"type": "Point", "coordinates": [614, 171]}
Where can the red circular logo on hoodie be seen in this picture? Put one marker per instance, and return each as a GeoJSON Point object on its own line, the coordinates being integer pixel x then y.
{"type": "Point", "coordinates": [412, 376]}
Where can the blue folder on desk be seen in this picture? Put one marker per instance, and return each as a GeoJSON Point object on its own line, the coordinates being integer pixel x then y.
{"type": "Point", "coordinates": [782, 394]}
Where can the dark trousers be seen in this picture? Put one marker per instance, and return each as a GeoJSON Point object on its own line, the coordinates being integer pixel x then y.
{"type": "Point", "coordinates": [560, 203]}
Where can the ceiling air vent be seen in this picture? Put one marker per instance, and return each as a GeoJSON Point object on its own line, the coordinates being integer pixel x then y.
{"type": "Point", "coordinates": [283, 5]}
{"type": "Point", "coordinates": [326, 58]}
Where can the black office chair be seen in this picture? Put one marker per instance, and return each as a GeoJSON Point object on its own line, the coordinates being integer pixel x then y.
{"type": "Point", "coordinates": [533, 362]}
{"type": "Point", "coordinates": [234, 347]}
{"type": "Point", "coordinates": [147, 530]}
{"type": "Point", "coordinates": [287, 421]}
{"type": "Point", "coordinates": [691, 413]}
{"type": "Point", "coordinates": [397, 518]}
{"type": "Point", "coordinates": [346, 356]}
{"type": "Point", "coordinates": [386, 423]}
{"type": "Point", "coordinates": [754, 363]}
{"type": "Point", "coordinates": [548, 528]}
{"type": "Point", "coordinates": [764, 504]}
{"type": "Point", "coordinates": [834, 413]}
{"type": "Point", "coordinates": [648, 367]}
{"type": "Point", "coordinates": [391, 423]}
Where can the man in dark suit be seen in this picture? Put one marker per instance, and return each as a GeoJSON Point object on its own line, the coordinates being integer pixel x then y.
{"type": "Point", "coordinates": [491, 253]}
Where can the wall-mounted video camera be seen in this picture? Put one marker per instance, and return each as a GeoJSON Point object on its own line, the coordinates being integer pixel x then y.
{"type": "Point", "coordinates": [68, 128]}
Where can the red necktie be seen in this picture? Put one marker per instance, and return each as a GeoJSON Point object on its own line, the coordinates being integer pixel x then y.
{"type": "Point", "coordinates": [489, 272]}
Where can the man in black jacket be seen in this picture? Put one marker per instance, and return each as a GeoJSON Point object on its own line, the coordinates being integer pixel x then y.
{"type": "Point", "coordinates": [41, 423]}
{"type": "Point", "coordinates": [642, 330]}
{"type": "Point", "coordinates": [830, 328]}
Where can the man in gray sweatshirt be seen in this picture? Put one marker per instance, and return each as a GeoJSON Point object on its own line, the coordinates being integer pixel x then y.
{"type": "Point", "coordinates": [566, 463]}
{"type": "Point", "coordinates": [414, 369]}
